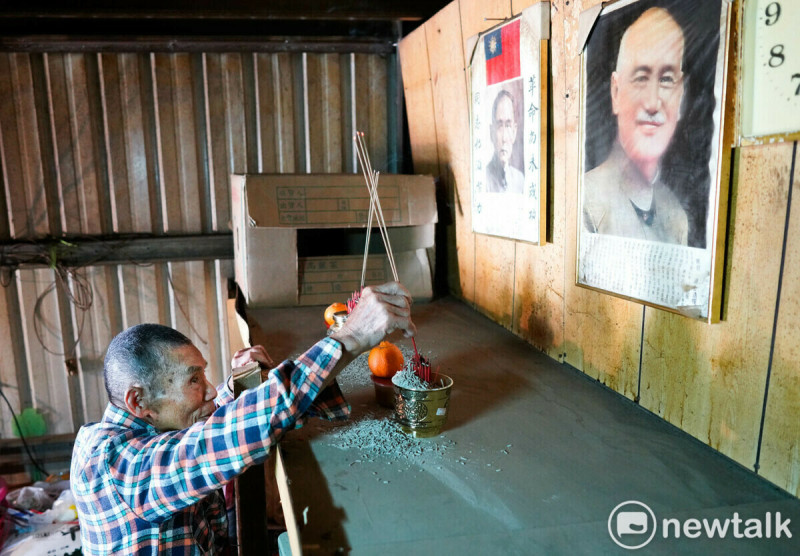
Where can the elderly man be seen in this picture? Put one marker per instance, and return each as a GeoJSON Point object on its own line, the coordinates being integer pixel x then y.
{"type": "Point", "coordinates": [624, 196]}
{"type": "Point", "coordinates": [501, 176]}
{"type": "Point", "coordinates": [147, 478]}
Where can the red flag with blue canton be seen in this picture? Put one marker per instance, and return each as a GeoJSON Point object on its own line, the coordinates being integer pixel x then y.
{"type": "Point", "coordinates": [502, 53]}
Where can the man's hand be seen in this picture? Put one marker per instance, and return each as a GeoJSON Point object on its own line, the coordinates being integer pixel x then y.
{"type": "Point", "coordinates": [380, 311]}
{"type": "Point", "coordinates": [248, 355]}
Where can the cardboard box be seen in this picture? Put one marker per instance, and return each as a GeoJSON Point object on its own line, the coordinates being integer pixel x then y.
{"type": "Point", "coordinates": [268, 210]}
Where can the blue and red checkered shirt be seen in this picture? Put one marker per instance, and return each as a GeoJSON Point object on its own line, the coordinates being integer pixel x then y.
{"type": "Point", "coordinates": [142, 491]}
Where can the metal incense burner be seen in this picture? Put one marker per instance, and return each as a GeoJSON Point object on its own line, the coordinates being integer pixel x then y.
{"type": "Point", "coordinates": [423, 413]}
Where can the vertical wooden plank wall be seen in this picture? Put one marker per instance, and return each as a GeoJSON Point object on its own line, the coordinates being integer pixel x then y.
{"type": "Point", "coordinates": [601, 333]}
{"type": "Point", "coordinates": [276, 125]}
{"type": "Point", "coordinates": [144, 143]}
{"type": "Point", "coordinates": [12, 380]}
{"type": "Point", "coordinates": [780, 450]}
{"type": "Point", "coordinates": [371, 95]}
{"type": "Point", "coordinates": [448, 82]}
{"type": "Point", "coordinates": [709, 380]}
{"type": "Point", "coordinates": [539, 273]}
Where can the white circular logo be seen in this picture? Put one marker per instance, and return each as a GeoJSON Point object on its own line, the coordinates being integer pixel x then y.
{"type": "Point", "coordinates": [632, 524]}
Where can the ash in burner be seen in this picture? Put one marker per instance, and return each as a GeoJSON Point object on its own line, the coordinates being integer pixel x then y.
{"type": "Point", "coordinates": [410, 381]}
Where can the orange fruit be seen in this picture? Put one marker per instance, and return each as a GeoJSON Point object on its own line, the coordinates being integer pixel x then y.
{"type": "Point", "coordinates": [333, 308]}
{"type": "Point", "coordinates": [385, 360]}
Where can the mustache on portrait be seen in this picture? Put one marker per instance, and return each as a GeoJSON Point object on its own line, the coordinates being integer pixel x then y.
{"type": "Point", "coordinates": [644, 117]}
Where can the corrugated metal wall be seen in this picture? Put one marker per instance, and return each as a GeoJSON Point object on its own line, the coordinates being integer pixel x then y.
{"type": "Point", "coordinates": [117, 143]}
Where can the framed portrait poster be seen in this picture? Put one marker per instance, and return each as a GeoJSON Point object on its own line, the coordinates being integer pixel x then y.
{"type": "Point", "coordinates": [653, 193]}
{"type": "Point", "coordinates": [508, 88]}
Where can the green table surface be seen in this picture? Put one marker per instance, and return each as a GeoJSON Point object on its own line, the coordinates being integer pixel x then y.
{"type": "Point", "coordinates": [532, 460]}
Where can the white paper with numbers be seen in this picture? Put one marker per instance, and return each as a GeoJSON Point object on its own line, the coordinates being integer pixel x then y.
{"type": "Point", "coordinates": [771, 68]}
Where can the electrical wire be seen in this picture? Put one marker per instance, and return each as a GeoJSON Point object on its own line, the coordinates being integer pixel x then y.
{"type": "Point", "coordinates": [177, 299]}
{"type": "Point", "coordinates": [70, 282]}
{"type": "Point", "coordinates": [34, 461]}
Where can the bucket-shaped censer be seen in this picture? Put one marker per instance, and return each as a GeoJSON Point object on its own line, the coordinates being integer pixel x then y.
{"type": "Point", "coordinates": [423, 413]}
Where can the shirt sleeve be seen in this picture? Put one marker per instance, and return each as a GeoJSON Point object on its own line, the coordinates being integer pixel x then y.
{"type": "Point", "coordinates": [224, 394]}
{"type": "Point", "coordinates": [329, 404]}
{"type": "Point", "coordinates": [159, 475]}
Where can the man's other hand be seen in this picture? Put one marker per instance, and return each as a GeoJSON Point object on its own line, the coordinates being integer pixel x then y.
{"type": "Point", "coordinates": [249, 355]}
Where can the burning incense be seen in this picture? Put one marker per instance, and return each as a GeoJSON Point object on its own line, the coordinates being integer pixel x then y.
{"type": "Point", "coordinates": [420, 365]}
{"type": "Point", "coordinates": [371, 178]}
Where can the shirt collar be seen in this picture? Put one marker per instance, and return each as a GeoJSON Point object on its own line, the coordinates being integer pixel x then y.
{"type": "Point", "coordinates": [124, 418]}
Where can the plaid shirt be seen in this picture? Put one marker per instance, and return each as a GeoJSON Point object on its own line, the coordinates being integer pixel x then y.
{"type": "Point", "coordinates": [142, 491]}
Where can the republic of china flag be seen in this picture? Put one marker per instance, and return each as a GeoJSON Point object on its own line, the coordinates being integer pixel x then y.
{"type": "Point", "coordinates": [502, 53]}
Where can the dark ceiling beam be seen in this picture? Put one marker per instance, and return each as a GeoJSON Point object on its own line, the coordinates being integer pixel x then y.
{"type": "Point", "coordinates": [78, 252]}
{"type": "Point", "coordinates": [195, 44]}
{"type": "Point", "coordinates": [350, 10]}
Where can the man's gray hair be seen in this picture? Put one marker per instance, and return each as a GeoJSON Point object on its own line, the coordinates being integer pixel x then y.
{"type": "Point", "coordinates": [140, 355]}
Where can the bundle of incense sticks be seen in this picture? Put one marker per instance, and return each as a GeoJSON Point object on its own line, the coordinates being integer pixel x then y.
{"type": "Point", "coordinates": [420, 365]}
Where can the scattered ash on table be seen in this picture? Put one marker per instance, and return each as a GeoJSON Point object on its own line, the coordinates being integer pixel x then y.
{"type": "Point", "coordinates": [371, 431]}
{"type": "Point", "coordinates": [355, 375]}
{"type": "Point", "coordinates": [378, 438]}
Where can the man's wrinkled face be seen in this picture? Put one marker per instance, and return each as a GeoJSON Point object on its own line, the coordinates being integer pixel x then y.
{"type": "Point", "coordinates": [188, 396]}
{"type": "Point", "coordinates": [647, 88]}
{"type": "Point", "coordinates": [504, 129]}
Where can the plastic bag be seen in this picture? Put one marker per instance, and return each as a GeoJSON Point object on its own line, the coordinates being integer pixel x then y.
{"type": "Point", "coordinates": [30, 498]}
{"type": "Point", "coordinates": [63, 510]}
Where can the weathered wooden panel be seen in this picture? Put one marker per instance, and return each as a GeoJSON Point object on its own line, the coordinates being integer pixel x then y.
{"type": "Point", "coordinates": [129, 140]}
{"type": "Point", "coordinates": [539, 271]}
{"type": "Point", "coordinates": [13, 380]}
{"type": "Point", "coordinates": [413, 52]}
{"type": "Point", "coordinates": [23, 173]}
{"type": "Point", "coordinates": [44, 349]}
{"type": "Point", "coordinates": [227, 139]}
{"type": "Point", "coordinates": [93, 331]}
{"type": "Point", "coordinates": [324, 112]}
{"type": "Point", "coordinates": [62, 140]}
{"type": "Point", "coordinates": [141, 294]}
{"type": "Point", "coordinates": [371, 107]}
{"type": "Point", "coordinates": [216, 288]}
{"type": "Point", "coordinates": [780, 448]}
{"type": "Point", "coordinates": [602, 333]}
{"type": "Point", "coordinates": [230, 339]}
{"type": "Point", "coordinates": [418, 93]}
{"type": "Point", "coordinates": [448, 79]}
{"type": "Point", "coordinates": [182, 188]}
{"type": "Point", "coordinates": [494, 277]}
{"type": "Point", "coordinates": [539, 295]}
{"type": "Point", "coordinates": [198, 321]}
{"type": "Point", "coordinates": [76, 171]}
{"type": "Point", "coordinates": [276, 108]}
{"type": "Point", "coordinates": [709, 380]}
{"type": "Point", "coordinates": [518, 5]}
